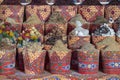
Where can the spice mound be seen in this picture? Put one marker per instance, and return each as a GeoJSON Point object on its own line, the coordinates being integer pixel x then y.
{"type": "Point", "coordinates": [56, 18]}
{"type": "Point", "coordinates": [78, 21]}
{"type": "Point", "coordinates": [60, 49]}
{"type": "Point", "coordinates": [54, 35]}
{"type": "Point", "coordinates": [104, 30]}
{"type": "Point", "coordinates": [79, 31]}
{"type": "Point", "coordinates": [33, 19]}
{"type": "Point", "coordinates": [34, 46]}
{"type": "Point", "coordinates": [109, 44]}
{"type": "Point", "coordinates": [89, 48]}
{"type": "Point", "coordinates": [100, 20]}
{"type": "Point", "coordinates": [78, 17]}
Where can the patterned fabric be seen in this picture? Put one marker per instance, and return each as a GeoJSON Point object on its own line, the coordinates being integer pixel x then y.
{"type": "Point", "coordinates": [34, 64]}
{"type": "Point", "coordinates": [88, 62]}
{"type": "Point", "coordinates": [111, 62]}
{"type": "Point", "coordinates": [15, 12]}
{"type": "Point", "coordinates": [75, 42]}
{"type": "Point", "coordinates": [7, 62]}
{"type": "Point", "coordinates": [59, 66]}
{"type": "Point", "coordinates": [38, 27]}
{"type": "Point", "coordinates": [42, 11]}
{"type": "Point", "coordinates": [50, 26]}
{"type": "Point", "coordinates": [91, 12]}
{"type": "Point", "coordinates": [96, 39]}
{"type": "Point", "coordinates": [66, 11]}
{"type": "Point", "coordinates": [112, 11]}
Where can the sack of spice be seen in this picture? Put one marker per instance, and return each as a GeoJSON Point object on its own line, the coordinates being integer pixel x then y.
{"type": "Point", "coordinates": [34, 58]}
{"type": "Point", "coordinates": [7, 57]}
{"type": "Point", "coordinates": [100, 20]}
{"type": "Point", "coordinates": [55, 28]}
{"type": "Point", "coordinates": [77, 34]}
{"type": "Point", "coordinates": [42, 11]}
{"type": "Point", "coordinates": [88, 59]}
{"type": "Point", "coordinates": [34, 26]}
{"type": "Point", "coordinates": [102, 31]}
{"type": "Point", "coordinates": [110, 58]}
{"type": "Point", "coordinates": [30, 33]}
{"type": "Point", "coordinates": [60, 57]}
{"type": "Point", "coordinates": [66, 11]}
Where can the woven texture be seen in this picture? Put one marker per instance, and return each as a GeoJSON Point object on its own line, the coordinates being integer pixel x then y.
{"type": "Point", "coordinates": [42, 11]}
{"type": "Point", "coordinates": [112, 11]}
{"type": "Point", "coordinates": [34, 64]}
{"type": "Point", "coordinates": [13, 11]}
{"type": "Point", "coordinates": [66, 11]}
{"type": "Point", "coordinates": [111, 62]}
{"type": "Point", "coordinates": [91, 12]}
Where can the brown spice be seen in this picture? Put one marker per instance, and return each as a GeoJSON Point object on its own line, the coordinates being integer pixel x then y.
{"type": "Point", "coordinates": [89, 48]}
{"type": "Point", "coordinates": [56, 18]}
{"type": "Point", "coordinates": [109, 44]}
{"type": "Point", "coordinates": [78, 17]}
{"type": "Point", "coordinates": [60, 49]}
{"type": "Point", "coordinates": [100, 20]}
{"type": "Point", "coordinates": [34, 47]}
{"type": "Point", "coordinates": [33, 19]}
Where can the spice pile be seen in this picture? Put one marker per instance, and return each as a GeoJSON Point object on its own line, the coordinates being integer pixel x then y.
{"type": "Point", "coordinates": [78, 21]}
{"type": "Point", "coordinates": [89, 48]}
{"type": "Point", "coordinates": [53, 36]}
{"type": "Point", "coordinates": [60, 49]}
{"type": "Point", "coordinates": [33, 19]}
{"type": "Point", "coordinates": [109, 44]}
{"type": "Point", "coordinates": [78, 17]}
{"type": "Point", "coordinates": [56, 18]}
{"type": "Point", "coordinates": [104, 30]}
